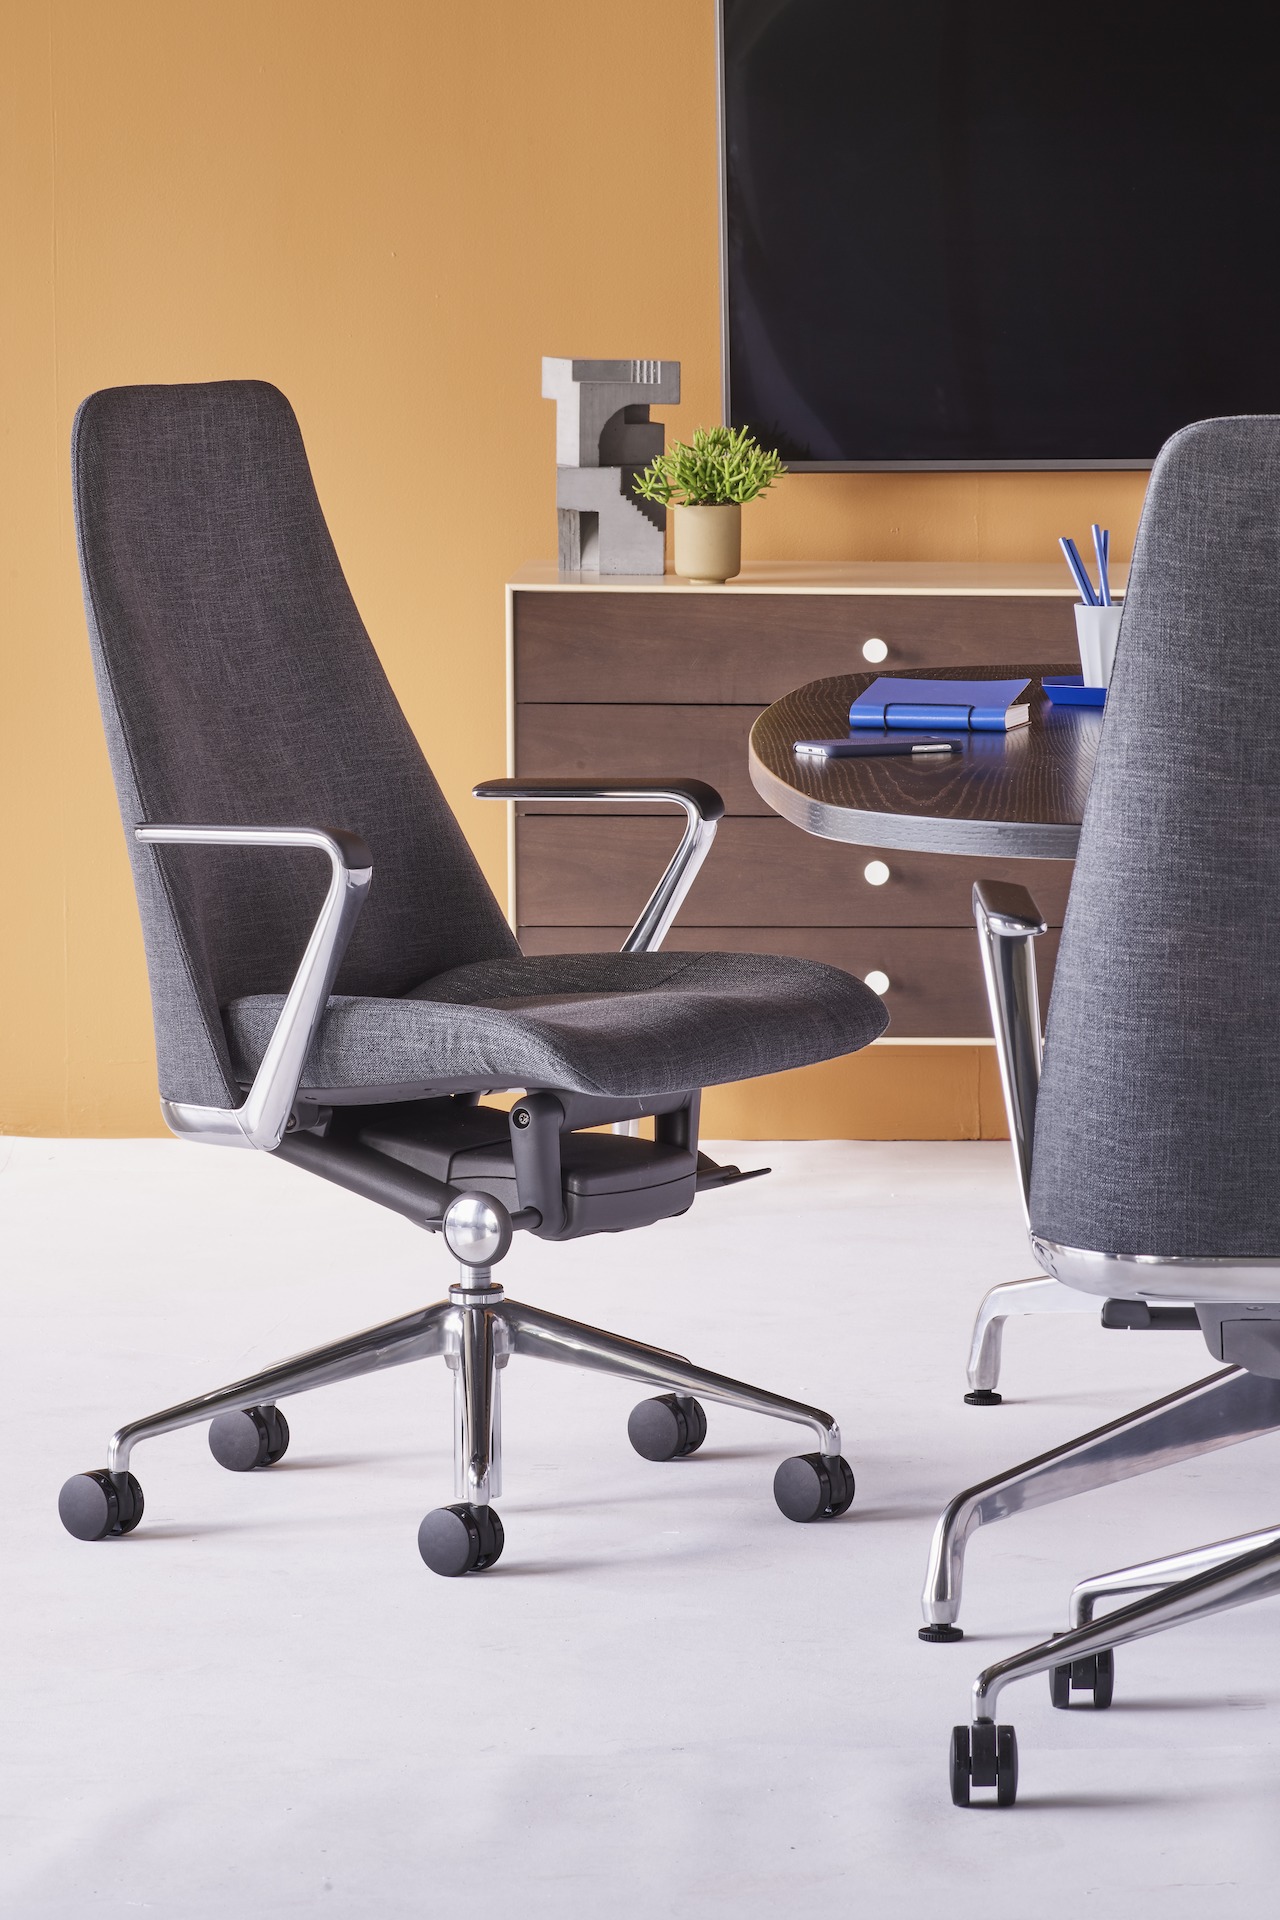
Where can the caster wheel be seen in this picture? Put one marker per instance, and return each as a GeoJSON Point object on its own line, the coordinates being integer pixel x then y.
{"type": "Point", "coordinates": [940, 1633]}
{"type": "Point", "coordinates": [1095, 1674]}
{"type": "Point", "coordinates": [984, 1397]}
{"type": "Point", "coordinates": [251, 1437]}
{"type": "Point", "coordinates": [460, 1539]}
{"type": "Point", "coordinates": [960, 1764]}
{"type": "Point", "coordinates": [1006, 1766]}
{"type": "Point", "coordinates": [94, 1506]}
{"type": "Point", "coordinates": [811, 1487]}
{"type": "Point", "coordinates": [984, 1755]}
{"type": "Point", "coordinates": [668, 1428]}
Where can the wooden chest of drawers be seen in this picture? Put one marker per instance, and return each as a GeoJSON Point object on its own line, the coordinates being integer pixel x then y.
{"type": "Point", "coordinates": [617, 676]}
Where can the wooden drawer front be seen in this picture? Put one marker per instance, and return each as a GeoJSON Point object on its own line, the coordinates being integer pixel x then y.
{"type": "Point", "coordinates": [703, 743]}
{"type": "Point", "coordinates": [935, 973]}
{"type": "Point", "coordinates": [575, 870]}
{"type": "Point", "coordinates": [749, 649]}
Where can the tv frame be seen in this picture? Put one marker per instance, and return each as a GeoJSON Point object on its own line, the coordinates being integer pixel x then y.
{"type": "Point", "coordinates": [857, 466]}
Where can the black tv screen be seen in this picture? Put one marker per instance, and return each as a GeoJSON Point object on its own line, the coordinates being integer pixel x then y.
{"type": "Point", "coordinates": [985, 233]}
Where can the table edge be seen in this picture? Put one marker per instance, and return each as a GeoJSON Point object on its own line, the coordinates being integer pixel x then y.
{"type": "Point", "coordinates": [913, 833]}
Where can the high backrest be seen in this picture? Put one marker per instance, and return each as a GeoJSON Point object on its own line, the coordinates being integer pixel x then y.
{"type": "Point", "coordinates": [1158, 1126]}
{"type": "Point", "coordinates": [239, 687]}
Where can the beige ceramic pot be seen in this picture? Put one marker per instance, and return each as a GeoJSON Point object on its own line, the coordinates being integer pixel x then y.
{"type": "Point", "coordinates": [708, 543]}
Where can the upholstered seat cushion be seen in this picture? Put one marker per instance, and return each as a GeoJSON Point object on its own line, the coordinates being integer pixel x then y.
{"type": "Point", "coordinates": [612, 1023]}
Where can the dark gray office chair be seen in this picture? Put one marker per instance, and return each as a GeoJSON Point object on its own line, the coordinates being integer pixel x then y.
{"type": "Point", "coordinates": [247, 715]}
{"type": "Point", "coordinates": [1149, 1149]}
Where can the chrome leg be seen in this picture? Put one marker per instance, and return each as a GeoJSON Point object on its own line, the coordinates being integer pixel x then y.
{"type": "Point", "coordinates": [415, 1337]}
{"type": "Point", "coordinates": [1167, 1572]}
{"type": "Point", "coordinates": [1216, 1412]}
{"type": "Point", "coordinates": [545, 1336]}
{"type": "Point", "coordinates": [466, 1473]}
{"type": "Point", "coordinates": [1230, 1583]}
{"type": "Point", "coordinates": [476, 1347]}
{"type": "Point", "coordinates": [1041, 1295]}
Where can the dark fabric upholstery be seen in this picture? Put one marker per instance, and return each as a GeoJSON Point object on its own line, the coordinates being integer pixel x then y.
{"type": "Point", "coordinates": [1158, 1127]}
{"type": "Point", "coordinates": [609, 1023]}
{"type": "Point", "coordinates": [239, 687]}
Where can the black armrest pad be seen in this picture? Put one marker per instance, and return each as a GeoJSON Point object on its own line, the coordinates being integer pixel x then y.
{"type": "Point", "coordinates": [355, 851]}
{"type": "Point", "coordinates": [606, 786]}
{"type": "Point", "coordinates": [1009, 908]}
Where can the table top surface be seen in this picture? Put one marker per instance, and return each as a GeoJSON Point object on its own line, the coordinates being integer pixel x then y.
{"type": "Point", "coordinates": [1019, 794]}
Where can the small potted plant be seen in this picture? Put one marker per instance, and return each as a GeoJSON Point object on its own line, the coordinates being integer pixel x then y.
{"type": "Point", "coordinates": [707, 485]}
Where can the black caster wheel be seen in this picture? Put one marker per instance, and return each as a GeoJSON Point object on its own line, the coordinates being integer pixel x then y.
{"type": "Point", "coordinates": [251, 1437]}
{"type": "Point", "coordinates": [811, 1487]}
{"type": "Point", "coordinates": [940, 1633]}
{"type": "Point", "coordinates": [984, 1755]}
{"type": "Point", "coordinates": [1095, 1675]}
{"type": "Point", "coordinates": [460, 1539]}
{"type": "Point", "coordinates": [94, 1506]}
{"type": "Point", "coordinates": [668, 1428]}
{"type": "Point", "coordinates": [984, 1397]}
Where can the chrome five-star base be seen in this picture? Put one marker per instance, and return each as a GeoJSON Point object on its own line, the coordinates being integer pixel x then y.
{"type": "Point", "coordinates": [1178, 1588]}
{"type": "Point", "coordinates": [476, 1331]}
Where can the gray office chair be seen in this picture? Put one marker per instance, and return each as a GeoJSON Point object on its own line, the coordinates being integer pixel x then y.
{"type": "Point", "coordinates": [247, 714]}
{"type": "Point", "coordinates": [1148, 1150]}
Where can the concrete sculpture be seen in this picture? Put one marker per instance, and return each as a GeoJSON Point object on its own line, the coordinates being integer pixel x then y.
{"type": "Point", "coordinates": [604, 436]}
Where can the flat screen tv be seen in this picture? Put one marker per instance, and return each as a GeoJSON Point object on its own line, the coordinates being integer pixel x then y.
{"type": "Point", "coordinates": [985, 233]}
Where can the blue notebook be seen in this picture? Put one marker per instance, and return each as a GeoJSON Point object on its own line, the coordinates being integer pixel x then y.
{"type": "Point", "coordinates": [976, 706]}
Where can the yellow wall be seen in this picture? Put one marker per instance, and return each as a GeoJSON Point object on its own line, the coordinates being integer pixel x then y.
{"type": "Point", "coordinates": [391, 209]}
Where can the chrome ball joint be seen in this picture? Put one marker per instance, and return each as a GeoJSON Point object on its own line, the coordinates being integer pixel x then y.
{"type": "Point", "coordinates": [477, 1229]}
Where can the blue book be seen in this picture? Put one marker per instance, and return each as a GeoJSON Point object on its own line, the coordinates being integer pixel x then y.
{"type": "Point", "coordinates": [973, 706]}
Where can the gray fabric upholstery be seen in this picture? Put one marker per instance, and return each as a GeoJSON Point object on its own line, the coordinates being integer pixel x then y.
{"type": "Point", "coordinates": [238, 686]}
{"type": "Point", "coordinates": [608, 1023]}
{"type": "Point", "coordinates": [1158, 1126]}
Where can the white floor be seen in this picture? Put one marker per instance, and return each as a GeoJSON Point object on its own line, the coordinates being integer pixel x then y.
{"type": "Point", "coordinates": [666, 1700]}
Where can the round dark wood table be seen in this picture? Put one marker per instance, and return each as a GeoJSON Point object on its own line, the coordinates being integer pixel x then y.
{"type": "Point", "coordinates": [1020, 794]}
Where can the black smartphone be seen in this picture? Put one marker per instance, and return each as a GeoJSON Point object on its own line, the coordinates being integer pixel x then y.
{"type": "Point", "coordinates": [877, 747]}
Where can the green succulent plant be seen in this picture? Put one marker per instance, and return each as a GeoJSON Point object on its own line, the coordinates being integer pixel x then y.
{"type": "Point", "coordinates": [724, 466]}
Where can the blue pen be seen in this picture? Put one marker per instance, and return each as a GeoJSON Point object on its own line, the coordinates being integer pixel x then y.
{"type": "Point", "coordinates": [1102, 547]}
{"type": "Point", "coordinates": [1076, 564]}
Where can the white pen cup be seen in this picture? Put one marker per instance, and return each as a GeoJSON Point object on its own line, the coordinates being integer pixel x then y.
{"type": "Point", "coordinates": [1097, 629]}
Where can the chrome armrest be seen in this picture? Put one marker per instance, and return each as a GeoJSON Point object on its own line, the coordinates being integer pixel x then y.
{"type": "Point", "coordinates": [703, 811]}
{"type": "Point", "coordinates": [263, 1119]}
{"type": "Point", "coordinates": [1008, 922]}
